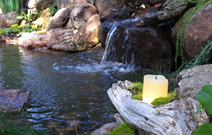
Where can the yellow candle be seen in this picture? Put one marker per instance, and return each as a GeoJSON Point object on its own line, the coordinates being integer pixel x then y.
{"type": "Point", "coordinates": [154, 86]}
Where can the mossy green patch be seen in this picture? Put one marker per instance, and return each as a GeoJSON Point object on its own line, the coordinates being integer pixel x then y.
{"type": "Point", "coordinates": [136, 90]}
{"type": "Point", "coordinates": [123, 129]}
{"type": "Point", "coordinates": [162, 101]}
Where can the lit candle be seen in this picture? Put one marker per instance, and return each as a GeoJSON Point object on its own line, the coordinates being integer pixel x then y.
{"type": "Point", "coordinates": [154, 86]}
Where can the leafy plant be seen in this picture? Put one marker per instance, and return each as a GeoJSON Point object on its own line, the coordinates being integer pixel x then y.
{"type": "Point", "coordinates": [123, 129]}
{"type": "Point", "coordinates": [53, 8]}
{"type": "Point", "coordinates": [203, 58]}
{"type": "Point", "coordinates": [205, 99]}
{"type": "Point", "coordinates": [7, 127]}
{"type": "Point", "coordinates": [10, 5]}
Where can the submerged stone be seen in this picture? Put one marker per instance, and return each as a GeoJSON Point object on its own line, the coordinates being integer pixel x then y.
{"type": "Point", "coordinates": [13, 100]}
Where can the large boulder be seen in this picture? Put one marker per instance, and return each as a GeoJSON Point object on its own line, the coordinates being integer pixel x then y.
{"type": "Point", "coordinates": [104, 4]}
{"type": "Point", "coordinates": [192, 80]}
{"type": "Point", "coordinates": [69, 3]}
{"type": "Point", "coordinates": [80, 15]}
{"type": "Point", "coordinates": [146, 47]}
{"type": "Point", "coordinates": [60, 19]}
{"type": "Point", "coordinates": [87, 36]}
{"type": "Point", "coordinates": [75, 40]}
{"type": "Point", "coordinates": [13, 100]}
{"type": "Point", "coordinates": [61, 39]}
{"type": "Point", "coordinates": [8, 19]}
{"type": "Point", "coordinates": [197, 33]}
{"type": "Point", "coordinates": [110, 14]}
{"type": "Point", "coordinates": [39, 4]}
{"type": "Point", "coordinates": [32, 40]}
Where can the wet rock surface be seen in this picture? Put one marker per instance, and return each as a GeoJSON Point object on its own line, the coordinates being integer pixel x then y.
{"type": "Point", "coordinates": [192, 80]}
{"type": "Point", "coordinates": [13, 100]}
{"type": "Point", "coordinates": [147, 47]}
{"type": "Point", "coordinates": [32, 40]}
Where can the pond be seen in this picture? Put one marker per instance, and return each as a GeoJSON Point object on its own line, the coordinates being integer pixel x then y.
{"type": "Point", "coordinates": [68, 90]}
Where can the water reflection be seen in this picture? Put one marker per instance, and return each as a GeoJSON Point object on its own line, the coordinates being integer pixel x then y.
{"type": "Point", "coordinates": [66, 89]}
{"type": "Point", "coordinates": [10, 67]}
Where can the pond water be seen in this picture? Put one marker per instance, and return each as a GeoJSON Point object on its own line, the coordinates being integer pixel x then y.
{"type": "Point", "coordinates": [68, 90]}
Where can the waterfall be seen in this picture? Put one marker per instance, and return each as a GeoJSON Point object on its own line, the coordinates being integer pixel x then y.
{"type": "Point", "coordinates": [120, 51]}
{"type": "Point", "coordinates": [108, 47]}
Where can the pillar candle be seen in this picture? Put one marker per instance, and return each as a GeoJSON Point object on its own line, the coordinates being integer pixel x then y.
{"type": "Point", "coordinates": [154, 86]}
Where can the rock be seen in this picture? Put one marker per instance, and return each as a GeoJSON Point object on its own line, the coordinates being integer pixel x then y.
{"type": "Point", "coordinates": [197, 33]}
{"type": "Point", "coordinates": [61, 39]}
{"type": "Point", "coordinates": [192, 80]}
{"type": "Point", "coordinates": [13, 100]}
{"type": "Point", "coordinates": [69, 3]}
{"type": "Point", "coordinates": [60, 19]}
{"type": "Point", "coordinates": [80, 15]}
{"type": "Point", "coordinates": [103, 31]}
{"type": "Point", "coordinates": [43, 18]}
{"type": "Point", "coordinates": [146, 47]}
{"type": "Point", "coordinates": [40, 4]}
{"type": "Point", "coordinates": [74, 40]}
{"type": "Point", "coordinates": [104, 129]}
{"type": "Point", "coordinates": [32, 40]}
{"type": "Point", "coordinates": [8, 19]}
{"type": "Point", "coordinates": [116, 15]}
{"type": "Point", "coordinates": [154, 2]}
{"type": "Point", "coordinates": [87, 36]}
{"type": "Point", "coordinates": [103, 4]}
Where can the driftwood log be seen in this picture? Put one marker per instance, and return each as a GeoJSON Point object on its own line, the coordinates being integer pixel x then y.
{"type": "Point", "coordinates": [175, 118]}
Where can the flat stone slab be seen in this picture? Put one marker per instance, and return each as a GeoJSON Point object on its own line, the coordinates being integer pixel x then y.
{"type": "Point", "coordinates": [13, 100]}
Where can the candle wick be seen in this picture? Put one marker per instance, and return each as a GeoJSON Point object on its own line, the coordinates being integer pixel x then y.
{"type": "Point", "coordinates": [156, 78]}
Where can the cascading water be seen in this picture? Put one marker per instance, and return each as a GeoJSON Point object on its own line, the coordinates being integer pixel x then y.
{"type": "Point", "coordinates": [126, 55]}
{"type": "Point", "coordinates": [109, 47]}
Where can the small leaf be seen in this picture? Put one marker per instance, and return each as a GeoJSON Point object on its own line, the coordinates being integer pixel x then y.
{"type": "Point", "coordinates": [205, 129]}
{"type": "Point", "coordinates": [19, 17]}
{"type": "Point", "coordinates": [199, 108]}
{"type": "Point", "coordinates": [205, 98]}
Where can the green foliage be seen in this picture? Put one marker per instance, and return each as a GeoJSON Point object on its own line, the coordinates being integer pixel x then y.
{"type": "Point", "coordinates": [10, 5]}
{"type": "Point", "coordinates": [203, 58]}
{"type": "Point", "coordinates": [205, 129]}
{"type": "Point", "coordinates": [28, 18]}
{"type": "Point", "coordinates": [9, 128]}
{"type": "Point", "coordinates": [205, 99]}
{"type": "Point", "coordinates": [199, 4]}
{"type": "Point", "coordinates": [136, 90]}
{"type": "Point", "coordinates": [53, 8]}
{"type": "Point", "coordinates": [162, 101]}
{"type": "Point", "coordinates": [123, 129]}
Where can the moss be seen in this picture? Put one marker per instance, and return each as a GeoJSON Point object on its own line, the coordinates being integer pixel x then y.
{"type": "Point", "coordinates": [136, 90]}
{"type": "Point", "coordinates": [123, 129]}
{"type": "Point", "coordinates": [162, 101]}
